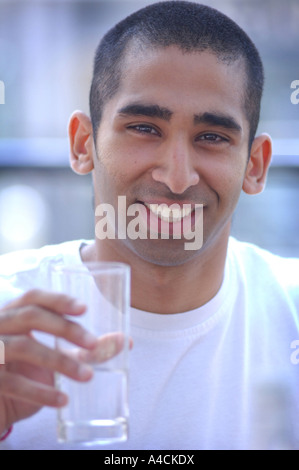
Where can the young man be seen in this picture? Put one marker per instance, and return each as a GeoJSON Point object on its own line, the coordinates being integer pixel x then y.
{"type": "Point", "coordinates": [174, 107]}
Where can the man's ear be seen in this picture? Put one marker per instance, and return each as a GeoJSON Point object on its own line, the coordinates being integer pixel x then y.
{"type": "Point", "coordinates": [81, 143]}
{"type": "Point", "coordinates": [258, 165]}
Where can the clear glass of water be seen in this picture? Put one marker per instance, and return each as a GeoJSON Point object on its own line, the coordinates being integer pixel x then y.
{"type": "Point", "coordinates": [97, 411]}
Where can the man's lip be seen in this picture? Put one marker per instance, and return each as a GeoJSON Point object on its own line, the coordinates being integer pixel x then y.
{"type": "Point", "coordinates": [170, 217]}
{"type": "Point", "coordinates": [168, 203]}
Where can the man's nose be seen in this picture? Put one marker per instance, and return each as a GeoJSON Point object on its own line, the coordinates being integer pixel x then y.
{"type": "Point", "coordinates": [176, 169]}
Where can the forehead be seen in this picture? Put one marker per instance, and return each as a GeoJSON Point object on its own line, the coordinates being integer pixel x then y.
{"type": "Point", "coordinates": [181, 81]}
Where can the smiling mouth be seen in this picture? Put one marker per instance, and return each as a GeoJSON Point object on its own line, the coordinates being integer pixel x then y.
{"type": "Point", "coordinates": [170, 214]}
{"type": "Point", "coordinates": [172, 221]}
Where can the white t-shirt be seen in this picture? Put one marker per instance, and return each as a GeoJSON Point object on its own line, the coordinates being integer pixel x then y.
{"type": "Point", "coordinates": [194, 376]}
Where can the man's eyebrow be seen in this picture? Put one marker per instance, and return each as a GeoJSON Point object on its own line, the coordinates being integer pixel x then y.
{"type": "Point", "coordinates": [217, 120]}
{"type": "Point", "coordinates": [149, 110]}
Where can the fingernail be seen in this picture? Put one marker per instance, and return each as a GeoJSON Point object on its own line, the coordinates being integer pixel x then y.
{"type": "Point", "coordinates": [105, 353]}
{"type": "Point", "coordinates": [110, 350]}
{"type": "Point", "coordinates": [78, 306]}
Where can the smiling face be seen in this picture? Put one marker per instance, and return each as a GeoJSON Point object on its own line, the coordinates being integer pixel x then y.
{"type": "Point", "coordinates": [175, 132]}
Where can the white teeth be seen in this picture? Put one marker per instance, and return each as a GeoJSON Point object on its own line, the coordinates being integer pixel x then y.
{"type": "Point", "coordinates": [173, 213]}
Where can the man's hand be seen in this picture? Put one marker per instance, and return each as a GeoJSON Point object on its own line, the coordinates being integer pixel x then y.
{"type": "Point", "coordinates": [27, 377]}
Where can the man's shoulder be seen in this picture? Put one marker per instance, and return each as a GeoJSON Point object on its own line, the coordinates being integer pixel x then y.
{"type": "Point", "coordinates": [27, 269]}
{"type": "Point", "coordinates": [18, 261]}
{"type": "Point", "coordinates": [265, 265]}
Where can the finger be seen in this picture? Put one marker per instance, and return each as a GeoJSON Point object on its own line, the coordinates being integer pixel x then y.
{"type": "Point", "coordinates": [56, 302]}
{"type": "Point", "coordinates": [23, 389]}
{"type": "Point", "coordinates": [26, 349]}
{"type": "Point", "coordinates": [106, 348]}
{"type": "Point", "coordinates": [25, 319]}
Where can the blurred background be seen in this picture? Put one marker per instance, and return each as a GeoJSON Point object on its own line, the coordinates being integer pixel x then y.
{"type": "Point", "coordinates": [46, 56]}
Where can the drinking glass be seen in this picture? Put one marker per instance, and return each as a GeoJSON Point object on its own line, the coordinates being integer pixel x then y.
{"type": "Point", "coordinates": [97, 411]}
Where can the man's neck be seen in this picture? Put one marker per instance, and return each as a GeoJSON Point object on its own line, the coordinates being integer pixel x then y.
{"type": "Point", "coordinates": [173, 289]}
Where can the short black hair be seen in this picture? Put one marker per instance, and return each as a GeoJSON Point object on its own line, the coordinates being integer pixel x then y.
{"type": "Point", "coordinates": [190, 26]}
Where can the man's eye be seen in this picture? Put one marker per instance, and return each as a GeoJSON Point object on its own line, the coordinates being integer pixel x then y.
{"type": "Point", "coordinates": [144, 129]}
{"type": "Point", "coordinates": [213, 138]}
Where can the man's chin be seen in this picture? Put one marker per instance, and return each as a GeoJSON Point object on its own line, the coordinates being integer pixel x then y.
{"type": "Point", "coordinates": [161, 252]}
